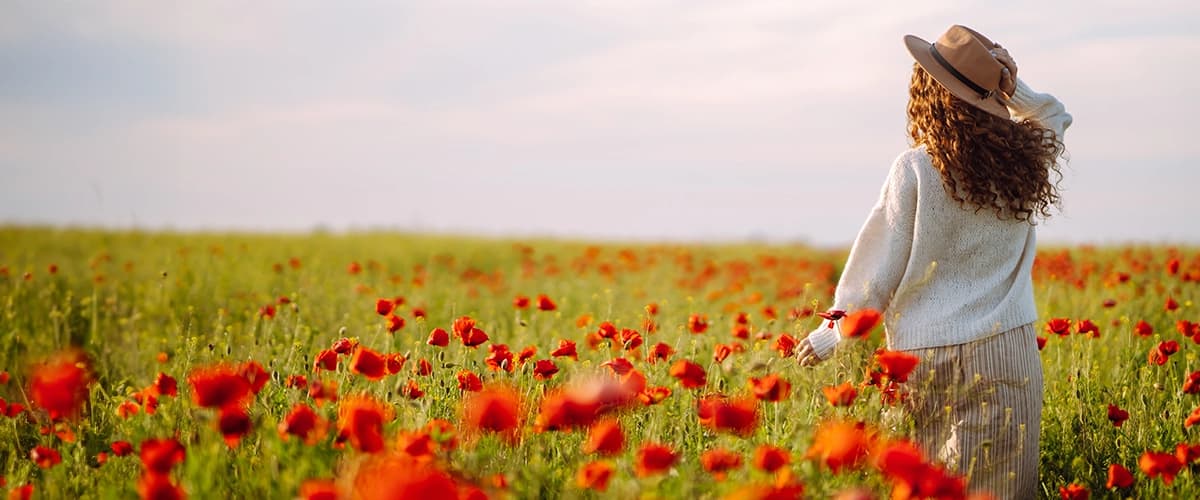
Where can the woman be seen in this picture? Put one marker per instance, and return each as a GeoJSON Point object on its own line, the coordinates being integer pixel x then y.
{"type": "Point", "coordinates": [946, 255]}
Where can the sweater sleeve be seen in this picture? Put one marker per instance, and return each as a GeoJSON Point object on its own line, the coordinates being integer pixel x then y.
{"type": "Point", "coordinates": [1045, 109]}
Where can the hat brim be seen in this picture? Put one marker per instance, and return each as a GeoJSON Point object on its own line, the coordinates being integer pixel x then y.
{"type": "Point", "coordinates": [921, 51]}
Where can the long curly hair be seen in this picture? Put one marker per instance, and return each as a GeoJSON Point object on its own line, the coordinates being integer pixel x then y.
{"type": "Point", "coordinates": [986, 162]}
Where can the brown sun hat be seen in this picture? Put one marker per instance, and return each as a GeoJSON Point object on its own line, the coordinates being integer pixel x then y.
{"type": "Point", "coordinates": [962, 61]}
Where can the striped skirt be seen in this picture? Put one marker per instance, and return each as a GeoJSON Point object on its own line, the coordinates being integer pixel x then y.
{"type": "Point", "coordinates": [977, 408]}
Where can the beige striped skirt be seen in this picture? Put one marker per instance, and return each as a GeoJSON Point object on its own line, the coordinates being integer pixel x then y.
{"type": "Point", "coordinates": [977, 408]}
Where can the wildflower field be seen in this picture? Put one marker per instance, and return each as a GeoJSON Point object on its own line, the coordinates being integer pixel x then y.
{"type": "Point", "coordinates": [406, 366]}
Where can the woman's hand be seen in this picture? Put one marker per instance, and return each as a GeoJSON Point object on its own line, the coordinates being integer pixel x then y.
{"type": "Point", "coordinates": [1008, 74]}
{"type": "Point", "coordinates": [807, 355]}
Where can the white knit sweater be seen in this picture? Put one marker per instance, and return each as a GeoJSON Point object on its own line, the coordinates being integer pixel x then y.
{"type": "Point", "coordinates": [941, 274]}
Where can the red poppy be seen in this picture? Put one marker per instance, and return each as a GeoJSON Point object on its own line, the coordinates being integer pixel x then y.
{"type": "Point", "coordinates": [770, 458]}
{"type": "Point", "coordinates": [304, 423]}
{"type": "Point", "coordinates": [398, 475]}
{"type": "Point", "coordinates": [521, 302]}
{"type": "Point", "coordinates": [545, 304]}
{"type": "Point", "coordinates": [442, 432]}
{"type": "Point", "coordinates": [840, 395]}
{"type": "Point", "coordinates": [354, 267]}
{"type": "Point", "coordinates": [24, 492]}
{"type": "Point", "coordinates": [423, 368]}
{"type": "Point", "coordinates": [1074, 491]}
{"type": "Point", "coordinates": [896, 366]}
{"type": "Point", "coordinates": [544, 369]}
{"type": "Point", "coordinates": [412, 390]}
{"type": "Point", "coordinates": [368, 363]}
{"type": "Point", "coordinates": [267, 311]}
{"type": "Point", "coordinates": [607, 330]}
{"type": "Point", "coordinates": [1187, 454]}
{"type": "Point", "coordinates": [690, 375]}
{"type": "Point", "coordinates": [654, 395]}
{"type": "Point", "coordinates": [619, 366]}
{"type": "Point", "coordinates": [473, 337]}
{"type": "Point", "coordinates": [594, 475]}
{"type": "Point", "coordinates": [1155, 464]}
{"type": "Point", "coordinates": [121, 448]}
{"type": "Point", "coordinates": [651, 309]}
{"type": "Point", "coordinates": [60, 383]}
{"type": "Point", "coordinates": [526, 354]}
{"type": "Point", "coordinates": [394, 362]}
{"type": "Point", "coordinates": [360, 421]}
{"type": "Point", "coordinates": [321, 392]}
{"type": "Point", "coordinates": [718, 461]}
{"type": "Point", "coordinates": [565, 348]}
{"type": "Point", "coordinates": [771, 388]}
{"type": "Point", "coordinates": [1085, 326]}
{"type": "Point", "coordinates": [654, 458]}
{"type": "Point", "coordinates": [499, 358]}
{"type": "Point", "coordinates": [45, 457]}
{"type": "Point", "coordinates": [394, 323]}
{"type": "Point", "coordinates": [318, 489]}
{"type": "Point", "coordinates": [438, 337]}
{"type": "Point", "coordinates": [631, 339]}
{"type": "Point", "coordinates": [605, 437]}
{"type": "Point", "coordinates": [721, 352]}
{"type": "Point", "coordinates": [738, 416]}
{"type": "Point", "coordinates": [741, 331]}
{"type": "Point", "coordinates": [494, 409]}
{"type": "Point", "coordinates": [859, 323]}
{"type": "Point", "coordinates": [839, 444]}
{"type": "Point", "coordinates": [233, 423]}
{"type": "Point", "coordinates": [468, 381]}
{"type": "Point", "coordinates": [255, 375]}
{"type": "Point", "coordinates": [1143, 329]}
{"type": "Point", "coordinates": [344, 346]}
{"type": "Point", "coordinates": [1191, 385]}
{"type": "Point", "coordinates": [583, 320]}
{"type": "Point", "coordinates": [383, 307]}
{"type": "Point", "coordinates": [1171, 305]}
{"type": "Point", "coordinates": [1116, 415]}
{"type": "Point", "coordinates": [1059, 326]}
{"type": "Point", "coordinates": [786, 345]}
{"type": "Point", "coordinates": [327, 359]}
{"type": "Point", "coordinates": [462, 326]}
{"type": "Point", "coordinates": [660, 352]}
{"type": "Point", "coordinates": [1041, 342]}
{"type": "Point", "coordinates": [218, 386]}
{"type": "Point", "coordinates": [159, 456]}
{"type": "Point", "coordinates": [295, 382]}
{"type": "Point", "coordinates": [1118, 477]}
{"type": "Point", "coordinates": [156, 487]}
{"type": "Point", "coordinates": [1162, 352]}
{"type": "Point", "coordinates": [697, 323]}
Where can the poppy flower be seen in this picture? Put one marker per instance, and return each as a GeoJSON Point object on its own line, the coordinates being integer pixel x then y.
{"type": "Point", "coordinates": [416, 444]}
{"type": "Point", "coordinates": [412, 390]}
{"type": "Point", "coordinates": [423, 368]}
{"type": "Point", "coordinates": [771, 458]}
{"type": "Point", "coordinates": [318, 489]}
{"type": "Point", "coordinates": [607, 330]}
{"type": "Point", "coordinates": [526, 354]}
{"type": "Point", "coordinates": [398, 475]}
{"type": "Point", "coordinates": [1074, 491]}
{"type": "Point", "coordinates": [499, 358]}
{"type": "Point", "coordinates": [343, 346]}
{"type": "Point", "coordinates": [394, 362]}
{"type": "Point", "coordinates": [1162, 352]}
{"type": "Point", "coordinates": [839, 444]}
{"type": "Point", "coordinates": [660, 352]}
{"type": "Point", "coordinates": [327, 359]}
{"type": "Point", "coordinates": [394, 323]}
{"type": "Point", "coordinates": [1155, 464]}
{"type": "Point", "coordinates": [494, 409]}
{"type": "Point", "coordinates": [321, 392]}
{"type": "Point", "coordinates": [1059, 326]}
{"type": "Point", "coordinates": [654, 458]}
{"type": "Point", "coordinates": [565, 348]}
{"type": "Point", "coordinates": [438, 337]}
{"type": "Point", "coordinates": [895, 365]}
{"type": "Point", "coordinates": [738, 416]}
{"type": "Point", "coordinates": [1085, 326]}
{"type": "Point", "coordinates": [165, 385]}
{"type": "Point", "coordinates": [1143, 329]}
{"type": "Point", "coordinates": [521, 302]}
{"type": "Point", "coordinates": [303, 423]}
{"type": "Point", "coordinates": [741, 331]}
{"type": "Point", "coordinates": [545, 304]}
{"type": "Point", "coordinates": [594, 475]}
{"type": "Point", "coordinates": [24, 492]}
{"type": "Point", "coordinates": [233, 422]}
{"type": "Point", "coordinates": [654, 395]}
{"type": "Point", "coordinates": [267, 311]}
{"type": "Point", "coordinates": [1187, 454]}
{"type": "Point", "coordinates": [218, 386]}
{"type": "Point", "coordinates": [786, 345]}
{"type": "Point", "coordinates": [619, 366]}
{"type": "Point", "coordinates": [544, 369]}
{"type": "Point", "coordinates": [697, 323]}
{"type": "Point", "coordinates": [462, 325]}
{"type": "Point", "coordinates": [771, 388]}
{"type": "Point", "coordinates": [1191, 385]}
{"type": "Point", "coordinates": [1116, 415]}
{"type": "Point", "coordinates": [383, 307]}
{"type": "Point", "coordinates": [127, 409]}
{"type": "Point", "coordinates": [1118, 477]}
{"type": "Point", "coordinates": [631, 339]}
{"type": "Point", "coordinates": [360, 421]}
{"type": "Point", "coordinates": [859, 323]}
{"type": "Point", "coordinates": [468, 381]}
{"type": "Point", "coordinates": [368, 363]}
{"type": "Point", "coordinates": [718, 461]}
{"type": "Point", "coordinates": [121, 448]}
{"type": "Point", "coordinates": [605, 437]}
{"type": "Point", "coordinates": [255, 375]}
{"type": "Point", "coordinates": [651, 309]}
{"type": "Point", "coordinates": [59, 384]}
{"type": "Point", "coordinates": [473, 337]}
{"type": "Point", "coordinates": [441, 432]}
{"type": "Point", "coordinates": [840, 395]}
{"type": "Point", "coordinates": [1041, 342]}
{"type": "Point", "coordinates": [45, 457]}
{"type": "Point", "coordinates": [1171, 305]}
{"type": "Point", "coordinates": [690, 375]}
{"type": "Point", "coordinates": [721, 352]}
{"type": "Point", "coordinates": [152, 486]}
{"type": "Point", "coordinates": [159, 456]}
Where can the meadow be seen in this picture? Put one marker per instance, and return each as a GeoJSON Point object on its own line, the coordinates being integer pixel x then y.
{"type": "Point", "coordinates": [392, 366]}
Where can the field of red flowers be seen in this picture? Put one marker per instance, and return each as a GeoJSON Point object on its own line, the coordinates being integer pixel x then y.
{"type": "Point", "coordinates": [399, 366]}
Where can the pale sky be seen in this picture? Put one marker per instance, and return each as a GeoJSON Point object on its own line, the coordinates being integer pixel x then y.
{"type": "Point", "coordinates": [631, 119]}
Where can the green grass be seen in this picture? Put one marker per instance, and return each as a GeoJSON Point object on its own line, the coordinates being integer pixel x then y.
{"type": "Point", "coordinates": [124, 297]}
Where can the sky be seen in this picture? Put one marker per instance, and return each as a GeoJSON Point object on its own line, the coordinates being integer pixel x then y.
{"type": "Point", "coordinates": [613, 119]}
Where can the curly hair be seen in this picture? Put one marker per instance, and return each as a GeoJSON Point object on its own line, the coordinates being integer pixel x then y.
{"type": "Point", "coordinates": [986, 161]}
